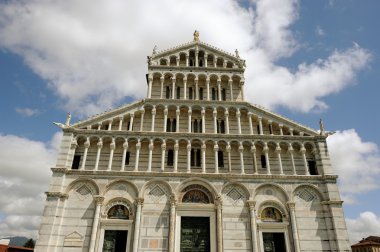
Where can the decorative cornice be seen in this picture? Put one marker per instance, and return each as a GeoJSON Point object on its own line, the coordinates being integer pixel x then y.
{"type": "Point", "coordinates": [332, 202]}
{"type": "Point", "coordinates": [56, 195]}
{"type": "Point", "coordinates": [58, 169]}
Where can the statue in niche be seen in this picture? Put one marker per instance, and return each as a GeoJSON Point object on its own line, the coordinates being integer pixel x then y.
{"type": "Point", "coordinates": [271, 214]}
{"type": "Point", "coordinates": [195, 196]}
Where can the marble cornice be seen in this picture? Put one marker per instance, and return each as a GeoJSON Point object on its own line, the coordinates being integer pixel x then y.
{"type": "Point", "coordinates": [194, 69]}
{"type": "Point", "coordinates": [220, 176]}
{"type": "Point", "coordinates": [187, 135]}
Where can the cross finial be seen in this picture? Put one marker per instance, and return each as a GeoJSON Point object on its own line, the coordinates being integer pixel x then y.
{"type": "Point", "coordinates": [321, 127]}
{"type": "Point", "coordinates": [68, 118]}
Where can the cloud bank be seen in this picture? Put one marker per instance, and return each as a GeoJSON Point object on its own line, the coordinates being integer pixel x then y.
{"type": "Point", "coordinates": [365, 225]}
{"type": "Point", "coordinates": [24, 177]}
{"type": "Point", "coordinates": [93, 56]}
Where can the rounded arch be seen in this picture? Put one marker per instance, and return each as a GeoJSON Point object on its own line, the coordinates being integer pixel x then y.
{"type": "Point", "coordinates": [122, 181]}
{"type": "Point", "coordinates": [226, 189]}
{"type": "Point", "coordinates": [155, 181]}
{"type": "Point", "coordinates": [89, 183]}
{"type": "Point", "coordinates": [274, 204]}
{"type": "Point", "coordinates": [311, 187]}
{"type": "Point", "coordinates": [277, 186]}
{"type": "Point", "coordinates": [118, 201]}
{"type": "Point", "coordinates": [197, 181]}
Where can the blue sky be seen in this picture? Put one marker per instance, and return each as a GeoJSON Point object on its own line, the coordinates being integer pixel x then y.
{"type": "Point", "coordinates": [305, 60]}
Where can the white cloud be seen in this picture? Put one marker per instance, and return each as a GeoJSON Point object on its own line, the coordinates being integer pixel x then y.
{"type": "Point", "coordinates": [319, 31]}
{"type": "Point", "coordinates": [356, 162]}
{"type": "Point", "coordinates": [27, 112]}
{"type": "Point", "coordinates": [25, 174]}
{"type": "Point", "coordinates": [92, 56]}
{"type": "Point", "coordinates": [365, 225]}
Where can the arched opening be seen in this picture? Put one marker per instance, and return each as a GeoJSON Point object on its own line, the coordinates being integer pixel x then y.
{"type": "Point", "coordinates": [118, 212]}
{"type": "Point", "coordinates": [163, 62]}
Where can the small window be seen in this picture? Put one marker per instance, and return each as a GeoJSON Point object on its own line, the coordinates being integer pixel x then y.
{"type": "Point", "coordinates": [270, 129]}
{"type": "Point", "coordinates": [127, 155]}
{"type": "Point", "coordinates": [213, 94]}
{"type": "Point", "coordinates": [220, 159]}
{"type": "Point", "coordinates": [195, 127]}
{"type": "Point", "coordinates": [258, 129]}
{"type": "Point", "coordinates": [195, 159]}
{"type": "Point", "coordinates": [168, 124]}
{"type": "Point", "coordinates": [178, 92]}
{"type": "Point", "coordinates": [201, 63]}
{"type": "Point", "coordinates": [191, 63]}
{"type": "Point", "coordinates": [168, 92]}
{"type": "Point", "coordinates": [190, 93]}
{"type": "Point", "coordinates": [223, 94]}
{"type": "Point", "coordinates": [222, 128]}
{"type": "Point", "coordinates": [76, 161]}
{"type": "Point", "coordinates": [170, 158]}
{"type": "Point", "coordinates": [174, 125]}
{"type": "Point", "coordinates": [200, 93]}
{"type": "Point", "coordinates": [312, 167]}
{"type": "Point", "coordinates": [263, 161]}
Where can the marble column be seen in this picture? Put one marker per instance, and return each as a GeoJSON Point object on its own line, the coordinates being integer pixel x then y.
{"type": "Point", "coordinates": [121, 122]}
{"type": "Point", "coordinates": [260, 119]}
{"type": "Point", "coordinates": [253, 151]}
{"type": "Point", "coordinates": [281, 129]}
{"type": "Point", "coordinates": [216, 149]}
{"type": "Point", "coordinates": [231, 91]}
{"type": "Point", "coordinates": [131, 122]}
{"type": "Point", "coordinates": [196, 89]}
{"type": "Point", "coordinates": [219, 90]}
{"type": "Point", "coordinates": [162, 87]}
{"type": "Point", "coordinates": [208, 88]}
{"type": "Point", "coordinates": [150, 80]}
{"type": "Point", "coordinates": [250, 123]}
{"type": "Point", "coordinates": [154, 111]}
{"type": "Point", "coordinates": [242, 90]}
{"type": "Point", "coordinates": [215, 113]}
{"type": "Point", "coordinates": [86, 146]}
{"type": "Point", "coordinates": [188, 147]}
{"type": "Point", "coordinates": [163, 151]}
{"type": "Point", "coordinates": [173, 203]}
{"type": "Point", "coordinates": [177, 113]}
{"type": "Point", "coordinates": [266, 153]}
{"type": "Point", "coordinates": [138, 147]}
{"type": "Point", "coordinates": [228, 150]}
{"type": "Point", "coordinates": [165, 118]}
{"type": "Point", "coordinates": [291, 151]}
{"type": "Point", "coordinates": [109, 125]}
{"type": "Point", "coordinates": [203, 113]}
{"type": "Point", "coordinates": [219, 223]}
{"type": "Point", "coordinates": [95, 224]}
{"type": "Point", "coordinates": [142, 119]}
{"type": "Point", "coordinates": [125, 149]}
{"type": "Point", "coordinates": [278, 152]}
{"type": "Point", "coordinates": [251, 205]}
{"type": "Point", "coordinates": [227, 123]}
{"type": "Point", "coordinates": [238, 121]}
{"type": "Point", "coordinates": [189, 120]}
{"type": "Point", "coordinates": [241, 152]}
{"type": "Point", "coordinates": [173, 88]}
{"type": "Point", "coordinates": [139, 204]}
{"type": "Point", "coordinates": [176, 148]}
{"type": "Point", "coordinates": [100, 146]}
{"type": "Point", "coordinates": [150, 155]}
{"type": "Point", "coordinates": [112, 150]}
{"type": "Point", "coordinates": [184, 88]}
{"type": "Point", "coordinates": [291, 206]}
{"type": "Point", "coordinates": [205, 58]}
{"type": "Point", "coordinates": [203, 149]}
{"type": "Point", "coordinates": [303, 153]}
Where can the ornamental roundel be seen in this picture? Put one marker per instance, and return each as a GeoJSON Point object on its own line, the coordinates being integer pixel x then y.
{"type": "Point", "coordinates": [196, 194]}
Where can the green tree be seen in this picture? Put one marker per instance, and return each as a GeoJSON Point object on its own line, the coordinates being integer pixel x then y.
{"type": "Point", "coordinates": [30, 243]}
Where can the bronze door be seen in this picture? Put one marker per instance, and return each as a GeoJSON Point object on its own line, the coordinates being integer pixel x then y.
{"type": "Point", "coordinates": [195, 234]}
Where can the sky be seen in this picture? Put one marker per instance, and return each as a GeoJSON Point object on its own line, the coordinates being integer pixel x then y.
{"type": "Point", "coordinates": [306, 60]}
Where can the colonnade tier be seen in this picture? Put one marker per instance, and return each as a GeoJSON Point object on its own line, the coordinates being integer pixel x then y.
{"type": "Point", "coordinates": [195, 155]}
{"type": "Point", "coordinates": [196, 58]}
{"type": "Point", "coordinates": [155, 117]}
{"type": "Point", "coordinates": [197, 86]}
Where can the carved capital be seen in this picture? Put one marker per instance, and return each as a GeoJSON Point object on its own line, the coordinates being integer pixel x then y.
{"type": "Point", "coordinates": [251, 204]}
{"type": "Point", "coordinates": [98, 199]}
{"type": "Point", "coordinates": [291, 205]}
{"type": "Point", "coordinates": [139, 201]}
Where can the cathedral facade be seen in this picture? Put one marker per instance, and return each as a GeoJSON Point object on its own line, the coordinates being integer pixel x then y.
{"type": "Point", "coordinates": [193, 167]}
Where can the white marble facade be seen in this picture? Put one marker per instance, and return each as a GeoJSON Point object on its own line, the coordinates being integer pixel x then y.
{"type": "Point", "coordinates": [192, 148]}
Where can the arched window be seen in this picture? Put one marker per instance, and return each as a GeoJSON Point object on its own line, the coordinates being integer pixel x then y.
{"type": "Point", "coordinates": [195, 159]}
{"type": "Point", "coordinates": [163, 62]}
{"type": "Point", "coordinates": [223, 94]}
{"type": "Point", "coordinates": [196, 194]}
{"type": "Point", "coordinates": [168, 93]}
{"type": "Point", "coordinates": [220, 159]}
{"type": "Point", "coordinates": [213, 94]}
{"type": "Point", "coordinates": [190, 93]}
{"type": "Point", "coordinates": [178, 93]}
{"type": "Point", "coordinates": [127, 156]}
{"type": "Point", "coordinates": [229, 64]}
{"type": "Point", "coordinates": [118, 212]}
{"type": "Point", "coordinates": [200, 93]}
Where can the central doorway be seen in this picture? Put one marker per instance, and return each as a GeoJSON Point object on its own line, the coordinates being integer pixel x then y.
{"type": "Point", "coordinates": [195, 234]}
{"type": "Point", "coordinates": [274, 242]}
{"type": "Point", "coordinates": [115, 241]}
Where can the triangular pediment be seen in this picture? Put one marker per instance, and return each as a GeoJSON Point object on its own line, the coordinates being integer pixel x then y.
{"type": "Point", "coordinates": [191, 47]}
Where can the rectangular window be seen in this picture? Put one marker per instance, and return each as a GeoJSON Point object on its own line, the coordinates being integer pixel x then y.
{"type": "Point", "coordinates": [76, 162]}
{"type": "Point", "coordinates": [263, 161]}
{"type": "Point", "coordinates": [270, 129]}
{"type": "Point", "coordinates": [127, 155]}
{"type": "Point", "coordinates": [198, 161]}
{"type": "Point", "coordinates": [213, 94]}
{"type": "Point", "coordinates": [190, 93]}
{"type": "Point", "coordinates": [178, 92]}
{"type": "Point", "coordinates": [168, 125]}
{"type": "Point", "coordinates": [201, 94]}
{"type": "Point", "coordinates": [312, 167]}
{"type": "Point", "coordinates": [220, 159]}
{"type": "Point", "coordinates": [223, 94]}
{"type": "Point", "coordinates": [168, 92]}
{"type": "Point", "coordinates": [222, 128]}
{"type": "Point", "coordinates": [174, 125]}
{"type": "Point", "coordinates": [258, 130]}
{"type": "Point", "coordinates": [170, 158]}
